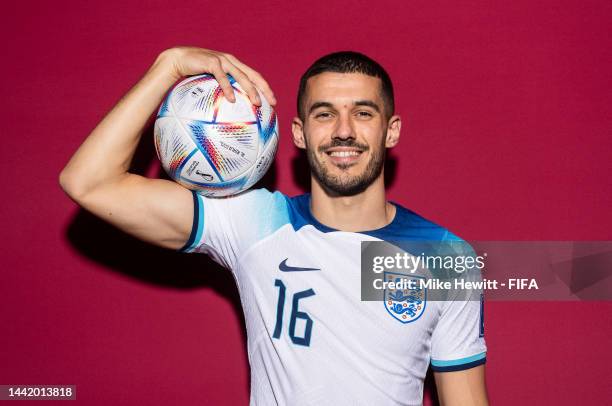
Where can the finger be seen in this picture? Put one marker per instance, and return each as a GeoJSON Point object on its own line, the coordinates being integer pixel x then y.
{"type": "Point", "coordinates": [243, 80]}
{"type": "Point", "coordinates": [219, 74]}
{"type": "Point", "coordinates": [255, 77]}
{"type": "Point", "coordinates": [261, 83]}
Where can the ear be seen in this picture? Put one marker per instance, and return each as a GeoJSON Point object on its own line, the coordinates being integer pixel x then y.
{"type": "Point", "coordinates": [297, 128]}
{"type": "Point", "coordinates": [394, 126]}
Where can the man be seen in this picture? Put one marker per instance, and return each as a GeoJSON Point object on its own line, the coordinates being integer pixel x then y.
{"type": "Point", "coordinates": [311, 340]}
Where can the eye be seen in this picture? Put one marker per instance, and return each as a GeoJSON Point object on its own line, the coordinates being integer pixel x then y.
{"type": "Point", "coordinates": [323, 115]}
{"type": "Point", "coordinates": [364, 114]}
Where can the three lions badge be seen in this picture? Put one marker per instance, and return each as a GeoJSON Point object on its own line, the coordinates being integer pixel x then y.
{"type": "Point", "coordinates": [407, 302]}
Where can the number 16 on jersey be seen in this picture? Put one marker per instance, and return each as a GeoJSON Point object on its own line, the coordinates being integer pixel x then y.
{"type": "Point", "coordinates": [295, 315]}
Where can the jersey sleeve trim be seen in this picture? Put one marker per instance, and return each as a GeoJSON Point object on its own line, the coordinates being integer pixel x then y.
{"type": "Point", "coordinates": [198, 224]}
{"type": "Point", "coordinates": [459, 364]}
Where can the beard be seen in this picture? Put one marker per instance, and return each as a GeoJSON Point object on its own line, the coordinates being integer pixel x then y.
{"type": "Point", "coordinates": [344, 184]}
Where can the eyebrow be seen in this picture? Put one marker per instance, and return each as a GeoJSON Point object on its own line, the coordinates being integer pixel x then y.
{"type": "Point", "coordinates": [367, 103]}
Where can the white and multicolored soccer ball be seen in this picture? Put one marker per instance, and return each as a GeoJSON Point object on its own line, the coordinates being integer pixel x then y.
{"type": "Point", "coordinates": [208, 144]}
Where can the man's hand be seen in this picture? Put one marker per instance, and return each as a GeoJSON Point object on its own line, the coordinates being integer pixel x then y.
{"type": "Point", "coordinates": [188, 61]}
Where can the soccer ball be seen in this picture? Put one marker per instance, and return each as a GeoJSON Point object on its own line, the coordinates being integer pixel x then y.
{"type": "Point", "coordinates": [208, 144]}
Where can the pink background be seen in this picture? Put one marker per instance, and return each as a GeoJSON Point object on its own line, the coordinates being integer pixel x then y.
{"type": "Point", "coordinates": [506, 136]}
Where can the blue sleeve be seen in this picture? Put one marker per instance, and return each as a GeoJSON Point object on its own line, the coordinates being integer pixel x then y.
{"type": "Point", "coordinates": [225, 228]}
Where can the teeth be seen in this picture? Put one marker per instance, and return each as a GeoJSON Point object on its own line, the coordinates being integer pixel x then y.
{"type": "Point", "coordinates": [344, 153]}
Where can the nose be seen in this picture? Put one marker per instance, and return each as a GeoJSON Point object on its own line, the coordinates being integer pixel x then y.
{"type": "Point", "coordinates": [344, 128]}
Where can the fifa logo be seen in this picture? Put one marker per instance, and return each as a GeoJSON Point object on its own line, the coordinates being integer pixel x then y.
{"type": "Point", "coordinates": [206, 176]}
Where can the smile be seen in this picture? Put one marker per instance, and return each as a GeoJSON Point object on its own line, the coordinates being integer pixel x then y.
{"type": "Point", "coordinates": [343, 153]}
{"type": "Point", "coordinates": [344, 156]}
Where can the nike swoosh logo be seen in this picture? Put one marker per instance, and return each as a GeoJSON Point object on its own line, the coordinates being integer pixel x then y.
{"type": "Point", "coordinates": [288, 268]}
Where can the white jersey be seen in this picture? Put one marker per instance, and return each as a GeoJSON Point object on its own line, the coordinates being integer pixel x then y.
{"type": "Point", "coordinates": [311, 340]}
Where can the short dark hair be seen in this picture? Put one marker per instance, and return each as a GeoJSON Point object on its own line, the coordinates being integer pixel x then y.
{"type": "Point", "coordinates": [348, 62]}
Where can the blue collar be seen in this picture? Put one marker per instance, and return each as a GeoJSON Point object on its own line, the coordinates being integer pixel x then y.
{"type": "Point", "coordinates": [406, 225]}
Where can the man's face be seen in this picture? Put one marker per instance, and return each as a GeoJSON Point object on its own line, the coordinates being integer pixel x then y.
{"type": "Point", "coordinates": [344, 131]}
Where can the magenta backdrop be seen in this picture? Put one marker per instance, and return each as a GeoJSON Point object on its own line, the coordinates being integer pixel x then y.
{"type": "Point", "coordinates": [506, 135]}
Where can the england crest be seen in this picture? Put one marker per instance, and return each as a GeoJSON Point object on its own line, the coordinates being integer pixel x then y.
{"type": "Point", "coordinates": [407, 302]}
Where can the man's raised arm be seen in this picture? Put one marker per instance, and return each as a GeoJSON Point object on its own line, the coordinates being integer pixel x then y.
{"type": "Point", "coordinates": [97, 177]}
